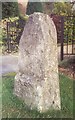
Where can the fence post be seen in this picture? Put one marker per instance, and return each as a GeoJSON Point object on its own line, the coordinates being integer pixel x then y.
{"type": "Point", "coordinates": [8, 40]}
{"type": "Point", "coordinates": [62, 37]}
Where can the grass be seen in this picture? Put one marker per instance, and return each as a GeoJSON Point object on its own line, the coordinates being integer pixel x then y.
{"type": "Point", "coordinates": [0, 98]}
{"type": "Point", "coordinates": [12, 107]}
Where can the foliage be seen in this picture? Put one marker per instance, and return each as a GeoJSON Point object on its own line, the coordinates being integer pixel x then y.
{"type": "Point", "coordinates": [34, 7]}
{"type": "Point", "coordinates": [62, 8]}
{"type": "Point", "coordinates": [15, 29]}
{"type": "Point", "coordinates": [9, 9]}
{"type": "Point", "coordinates": [69, 29]}
{"type": "Point", "coordinates": [59, 8]}
{"type": "Point", "coordinates": [16, 108]}
{"type": "Point", "coordinates": [25, 18]}
{"type": "Point", "coordinates": [48, 7]}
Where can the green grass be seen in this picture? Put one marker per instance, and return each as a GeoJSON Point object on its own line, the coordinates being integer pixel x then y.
{"type": "Point", "coordinates": [0, 98]}
{"type": "Point", "coordinates": [12, 107]}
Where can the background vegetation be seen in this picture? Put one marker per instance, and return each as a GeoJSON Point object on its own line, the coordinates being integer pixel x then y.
{"type": "Point", "coordinates": [34, 7]}
{"type": "Point", "coordinates": [9, 9]}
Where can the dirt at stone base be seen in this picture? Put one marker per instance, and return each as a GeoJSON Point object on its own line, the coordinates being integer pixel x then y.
{"type": "Point", "coordinates": [67, 67]}
{"type": "Point", "coordinates": [70, 71]}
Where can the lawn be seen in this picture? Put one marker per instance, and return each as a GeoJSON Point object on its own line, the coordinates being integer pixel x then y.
{"type": "Point", "coordinates": [0, 98]}
{"type": "Point", "coordinates": [12, 107]}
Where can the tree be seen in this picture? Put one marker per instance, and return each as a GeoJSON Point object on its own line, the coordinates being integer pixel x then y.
{"type": "Point", "coordinates": [34, 7]}
{"type": "Point", "coordinates": [10, 9]}
{"type": "Point", "coordinates": [22, 5]}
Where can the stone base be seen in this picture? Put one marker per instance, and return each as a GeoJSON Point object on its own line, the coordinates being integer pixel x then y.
{"type": "Point", "coordinates": [35, 94]}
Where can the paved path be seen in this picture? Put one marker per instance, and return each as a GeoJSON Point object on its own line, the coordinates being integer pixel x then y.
{"type": "Point", "coordinates": [8, 63]}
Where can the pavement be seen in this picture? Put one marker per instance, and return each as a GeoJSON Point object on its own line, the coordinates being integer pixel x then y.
{"type": "Point", "coordinates": [8, 63]}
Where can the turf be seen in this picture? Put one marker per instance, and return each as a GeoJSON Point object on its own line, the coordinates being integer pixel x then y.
{"type": "Point", "coordinates": [13, 107]}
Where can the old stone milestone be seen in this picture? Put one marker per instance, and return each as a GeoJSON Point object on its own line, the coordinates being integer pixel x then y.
{"type": "Point", "coordinates": [37, 80]}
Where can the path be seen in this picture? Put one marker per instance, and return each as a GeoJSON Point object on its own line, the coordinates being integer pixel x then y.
{"type": "Point", "coordinates": [8, 63]}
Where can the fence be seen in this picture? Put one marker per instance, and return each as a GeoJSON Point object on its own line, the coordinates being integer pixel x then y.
{"type": "Point", "coordinates": [12, 32]}
{"type": "Point", "coordinates": [65, 26]}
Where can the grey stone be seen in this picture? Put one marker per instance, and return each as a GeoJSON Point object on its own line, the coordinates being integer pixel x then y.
{"type": "Point", "coordinates": [37, 81]}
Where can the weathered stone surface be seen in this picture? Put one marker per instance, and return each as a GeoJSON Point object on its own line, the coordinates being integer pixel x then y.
{"type": "Point", "coordinates": [37, 81]}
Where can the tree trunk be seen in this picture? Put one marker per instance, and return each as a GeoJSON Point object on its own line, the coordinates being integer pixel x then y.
{"type": "Point", "coordinates": [22, 4]}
